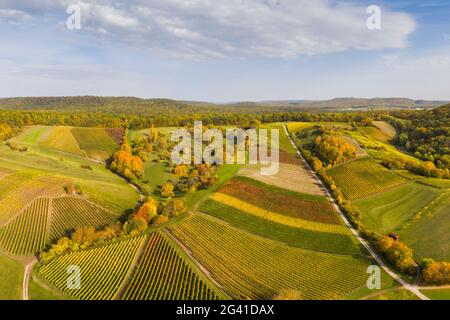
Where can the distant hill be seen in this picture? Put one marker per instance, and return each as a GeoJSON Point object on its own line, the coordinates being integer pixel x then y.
{"type": "Point", "coordinates": [129, 105]}
{"type": "Point", "coordinates": [359, 103]}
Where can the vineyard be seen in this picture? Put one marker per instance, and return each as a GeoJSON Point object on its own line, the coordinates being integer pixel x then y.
{"type": "Point", "coordinates": [296, 237]}
{"type": "Point", "coordinates": [70, 213]}
{"type": "Point", "coordinates": [62, 139]}
{"type": "Point", "coordinates": [361, 178]}
{"type": "Point", "coordinates": [252, 267]}
{"type": "Point", "coordinates": [17, 199]}
{"type": "Point", "coordinates": [96, 142]}
{"type": "Point", "coordinates": [102, 269]}
{"type": "Point", "coordinates": [27, 233]}
{"type": "Point", "coordinates": [281, 201]}
{"type": "Point", "coordinates": [162, 274]}
{"type": "Point", "coordinates": [12, 181]}
{"type": "Point", "coordinates": [278, 218]}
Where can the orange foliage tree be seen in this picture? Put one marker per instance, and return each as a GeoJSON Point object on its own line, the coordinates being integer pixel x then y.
{"type": "Point", "coordinates": [127, 165]}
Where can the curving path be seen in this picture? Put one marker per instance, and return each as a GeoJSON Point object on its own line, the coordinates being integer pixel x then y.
{"type": "Point", "coordinates": [26, 278]}
{"type": "Point", "coordinates": [406, 285]}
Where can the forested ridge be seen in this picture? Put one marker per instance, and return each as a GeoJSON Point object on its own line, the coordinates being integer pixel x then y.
{"type": "Point", "coordinates": [423, 133]}
{"type": "Point", "coordinates": [135, 105]}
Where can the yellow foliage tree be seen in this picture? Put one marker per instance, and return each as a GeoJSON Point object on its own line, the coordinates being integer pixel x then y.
{"type": "Point", "coordinates": [167, 190]}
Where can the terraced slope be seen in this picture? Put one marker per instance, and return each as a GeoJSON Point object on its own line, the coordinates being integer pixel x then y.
{"type": "Point", "coordinates": [102, 270]}
{"type": "Point", "coordinates": [96, 142]}
{"type": "Point", "coordinates": [26, 191]}
{"type": "Point", "coordinates": [27, 233]}
{"type": "Point", "coordinates": [293, 236]}
{"type": "Point", "coordinates": [70, 213]}
{"type": "Point", "coordinates": [281, 201]}
{"type": "Point", "coordinates": [252, 267]}
{"type": "Point", "coordinates": [162, 274]}
{"type": "Point", "coordinates": [361, 178]}
{"type": "Point", "coordinates": [61, 138]}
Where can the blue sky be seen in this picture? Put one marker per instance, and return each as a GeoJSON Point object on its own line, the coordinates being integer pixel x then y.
{"type": "Point", "coordinates": [226, 51]}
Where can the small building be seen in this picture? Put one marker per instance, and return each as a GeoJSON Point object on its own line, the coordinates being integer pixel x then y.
{"type": "Point", "coordinates": [394, 236]}
{"type": "Point", "coordinates": [73, 190]}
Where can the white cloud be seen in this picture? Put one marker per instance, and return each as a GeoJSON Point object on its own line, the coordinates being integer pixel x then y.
{"type": "Point", "coordinates": [11, 15]}
{"type": "Point", "coordinates": [431, 60]}
{"type": "Point", "coordinates": [235, 28]}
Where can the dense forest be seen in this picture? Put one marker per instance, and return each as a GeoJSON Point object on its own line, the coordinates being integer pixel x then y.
{"type": "Point", "coordinates": [132, 105]}
{"type": "Point", "coordinates": [425, 134]}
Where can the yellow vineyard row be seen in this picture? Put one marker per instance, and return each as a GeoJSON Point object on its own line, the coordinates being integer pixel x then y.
{"type": "Point", "coordinates": [279, 218]}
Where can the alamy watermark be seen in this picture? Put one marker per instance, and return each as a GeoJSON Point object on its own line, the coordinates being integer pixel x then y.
{"type": "Point", "coordinates": [374, 19]}
{"type": "Point", "coordinates": [73, 22]}
{"type": "Point", "coordinates": [74, 277]}
{"type": "Point", "coordinates": [374, 280]}
{"type": "Point", "coordinates": [236, 147]}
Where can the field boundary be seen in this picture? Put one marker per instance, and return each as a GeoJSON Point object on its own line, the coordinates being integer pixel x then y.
{"type": "Point", "coordinates": [129, 276]}
{"type": "Point", "coordinates": [388, 270]}
{"type": "Point", "coordinates": [26, 278]}
{"type": "Point", "coordinates": [202, 268]}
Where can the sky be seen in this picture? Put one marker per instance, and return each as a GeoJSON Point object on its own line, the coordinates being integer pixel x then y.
{"type": "Point", "coordinates": [225, 50]}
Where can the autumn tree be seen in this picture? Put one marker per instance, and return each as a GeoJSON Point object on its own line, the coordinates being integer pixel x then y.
{"type": "Point", "coordinates": [153, 134]}
{"type": "Point", "coordinates": [126, 164]}
{"type": "Point", "coordinates": [148, 210]}
{"type": "Point", "coordinates": [437, 273]}
{"type": "Point", "coordinates": [167, 190]}
{"type": "Point", "coordinates": [181, 171]}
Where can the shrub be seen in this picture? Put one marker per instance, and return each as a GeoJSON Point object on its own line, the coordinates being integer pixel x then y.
{"type": "Point", "coordinates": [437, 273]}
{"type": "Point", "coordinates": [160, 219]}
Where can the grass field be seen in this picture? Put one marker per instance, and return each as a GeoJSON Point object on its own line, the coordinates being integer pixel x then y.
{"type": "Point", "coordinates": [384, 149]}
{"type": "Point", "coordinates": [11, 273]}
{"type": "Point", "coordinates": [100, 185]}
{"type": "Point", "coordinates": [388, 211]}
{"type": "Point", "coordinates": [70, 213]}
{"type": "Point", "coordinates": [386, 129]}
{"type": "Point", "coordinates": [96, 142]}
{"type": "Point", "coordinates": [162, 274]}
{"type": "Point", "coordinates": [293, 236]}
{"type": "Point", "coordinates": [295, 127]}
{"type": "Point", "coordinates": [27, 234]}
{"type": "Point", "coordinates": [396, 295]}
{"type": "Point", "coordinates": [438, 183]}
{"type": "Point", "coordinates": [38, 289]}
{"type": "Point", "coordinates": [62, 139]}
{"type": "Point", "coordinates": [102, 270]}
{"type": "Point", "coordinates": [14, 201]}
{"type": "Point", "coordinates": [13, 180]}
{"type": "Point", "coordinates": [429, 234]}
{"type": "Point", "coordinates": [285, 143]}
{"type": "Point", "coordinates": [381, 131]}
{"type": "Point", "coordinates": [157, 173]}
{"type": "Point", "coordinates": [281, 201]}
{"type": "Point", "coordinates": [361, 178]}
{"type": "Point", "coordinates": [32, 134]}
{"type": "Point", "coordinates": [438, 294]}
{"type": "Point", "coordinates": [251, 267]}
